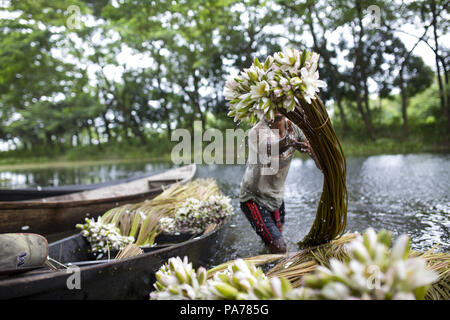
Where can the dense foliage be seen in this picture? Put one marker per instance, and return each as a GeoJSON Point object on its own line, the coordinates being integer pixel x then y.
{"type": "Point", "coordinates": [84, 72]}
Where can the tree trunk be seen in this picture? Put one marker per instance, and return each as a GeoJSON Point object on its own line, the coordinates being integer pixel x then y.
{"type": "Point", "coordinates": [342, 114]}
{"type": "Point", "coordinates": [48, 138]}
{"type": "Point", "coordinates": [380, 108]}
{"type": "Point", "coordinates": [359, 76]}
{"type": "Point", "coordinates": [359, 104]}
{"type": "Point", "coordinates": [197, 99]}
{"type": "Point", "coordinates": [362, 64]}
{"type": "Point", "coordinates": [107, 130]}
{"type": "Point", "coordinates": [88, 128]}
{"type": "Point", "coordinates": [77, 139]}
{"type": "Point", "coordinates": [447, 88]}
{"type": "Point", "coordinates": [438, 68]}
{"type": "Point", "coordinates": [97, 134]}
{"type": "Point", "coordinates": [321, 48]}
{"type": "Point", "coordinates": [169, 129]}
{"type": "Point", "coordinates": [135, 127]}
{"type": "Point", "coordinates": [404, 105]}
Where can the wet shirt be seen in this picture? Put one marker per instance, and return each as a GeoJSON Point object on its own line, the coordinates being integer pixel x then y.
{"type": "Point", "coordinates": [264, 177]}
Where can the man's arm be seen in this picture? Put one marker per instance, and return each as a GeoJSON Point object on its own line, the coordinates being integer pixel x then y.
{"type": "Point", "coordinates": [301, 143]}
{"type": "Point", "coordinates": [267, 141]}
{"type": "Point", "coordinates": [264, 141]}
{"type": "Point", "coordinates": [306, 147]}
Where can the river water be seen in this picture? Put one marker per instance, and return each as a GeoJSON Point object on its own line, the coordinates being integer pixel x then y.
{"type": "Point", "coordinates": [402, 193]}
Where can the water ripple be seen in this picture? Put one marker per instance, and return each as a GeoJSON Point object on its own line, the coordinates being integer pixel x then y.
{"type": "Point", "coordinates": [402, 193]}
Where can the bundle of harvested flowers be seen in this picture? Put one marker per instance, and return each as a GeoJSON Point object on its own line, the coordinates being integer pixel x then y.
{"type": "Point", "coordinates": [103, 237]}
{"type": "Point", "coordinates": [191, 207]}
{"type": "Point", "coordinates": [288, 82]}
{"type": "Point", "coordinates": [368, 270]}
{"type": "Point", "coordinates": [195, 215]}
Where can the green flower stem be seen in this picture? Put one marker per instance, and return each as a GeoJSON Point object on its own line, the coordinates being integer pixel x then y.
{"type": "Point", "coordinates": [331, 215]}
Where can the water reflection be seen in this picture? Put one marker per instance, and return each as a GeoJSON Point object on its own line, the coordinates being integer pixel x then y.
{"type": "Point", "coordinates": [402, 193]}
{"type": "Point", "coordinates": [23, 178]}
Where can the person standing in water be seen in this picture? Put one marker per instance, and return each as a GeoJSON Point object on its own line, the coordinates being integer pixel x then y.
{"type": "Point", "coordinates": [261, 191]}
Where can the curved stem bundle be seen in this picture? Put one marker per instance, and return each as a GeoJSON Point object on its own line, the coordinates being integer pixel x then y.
{"type": "Point", "coordinates": [331, 215]}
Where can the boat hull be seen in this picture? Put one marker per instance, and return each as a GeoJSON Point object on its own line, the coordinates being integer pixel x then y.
{"type": "Point", "coordinates": [59, 214]}
{"type": "Point", "coordinates": [131, 278]}
{"type": "Point", "coordinates": [44, 192]}
{"type": "Point", "coordinates": [47, 219]}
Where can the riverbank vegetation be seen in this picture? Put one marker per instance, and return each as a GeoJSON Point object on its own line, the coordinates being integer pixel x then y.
{"type": "Point", "coordinates": [85, 80]}
{"type": "Point", "coordinates": [426, 136]}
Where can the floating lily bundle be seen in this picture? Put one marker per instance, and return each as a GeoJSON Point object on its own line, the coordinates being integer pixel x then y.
{"type": "Point", "coordinates": [288, 82]}
{"type": "Point", "coordinates": [142, 222]}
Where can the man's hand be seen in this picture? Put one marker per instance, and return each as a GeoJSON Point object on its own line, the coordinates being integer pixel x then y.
{"type": "Point", "coordinates": [306, 148]}
{"type": "Point", "coordinates": [300, 146]}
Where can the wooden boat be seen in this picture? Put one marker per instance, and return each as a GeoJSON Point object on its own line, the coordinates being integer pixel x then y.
{"type": "Point", "coordinates": [44, 192]}
{"type": "Point", "coordinates": [129, 278]}
{"type": "Point", "coordinates": [59, 214]}
{"type": "Point", "coordinates": [38, 193]}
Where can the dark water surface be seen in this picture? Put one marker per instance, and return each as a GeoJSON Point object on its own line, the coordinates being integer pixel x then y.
{"type": "Point", "coordinates": [402, 193]}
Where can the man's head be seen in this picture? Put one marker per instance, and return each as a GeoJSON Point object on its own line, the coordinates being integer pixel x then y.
{"type": "Point", "coordinates": [278, 119]}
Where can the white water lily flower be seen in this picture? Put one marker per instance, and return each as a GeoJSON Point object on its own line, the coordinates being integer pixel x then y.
{"type": "Point", "coordinates": [230, 94]}
{"type": "Point", "coordinates": [231, 83]}
{"type": "Point", "coordinates": [403, 296]}
{"type": "Point", "coordinates": [417, 274]}
{"type": "Point", "coordinates": [401, 248]}
{"type": "Point", "coordinates": [338, 268]}
{"type": "Point", "coordinates": [259, 90]}
{"type": "Point", "coordinates": [315, 57]}
{"type": "Point", "coordinates": [312, 83]}
{"type": "Point", "coordinates": [335, 291]}
{"type": "Point", "coordinates": [280, 58]}
{"type": "Point", "coordinates": [177, 280]}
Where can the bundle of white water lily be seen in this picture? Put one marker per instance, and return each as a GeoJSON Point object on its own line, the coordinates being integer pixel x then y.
{"type": "Point", "coordinates": [372, 272]}
{"type": "Point", "coordinates": [257, 91]}
{"type": "Point", "coordinates": [177, 280]}
{"type": "Point", "coordinates": [103, 237]}
{"type": "Point", "coordinates": [196, 215]}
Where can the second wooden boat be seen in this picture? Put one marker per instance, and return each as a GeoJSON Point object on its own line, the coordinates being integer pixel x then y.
{"type": "Point", "coordinates": [130, 278]}
{"type": "Point", "coordinates": [22, 194]}
{"type": "Point", "coordinates": [60, 214]}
